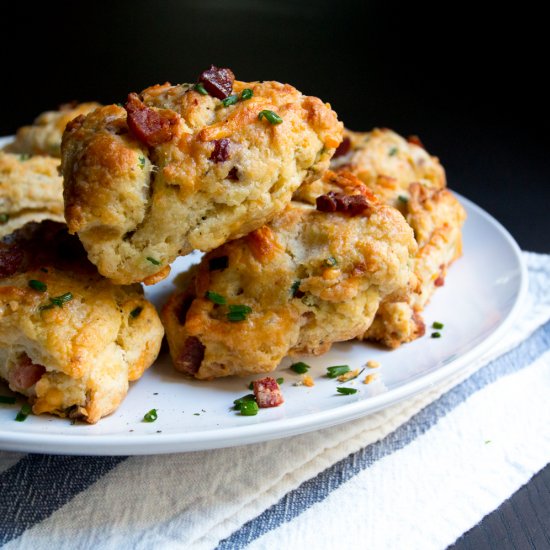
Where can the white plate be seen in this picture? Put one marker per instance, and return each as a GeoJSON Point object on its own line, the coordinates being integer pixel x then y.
{"type": "Point", "coordinates": [481, 297]}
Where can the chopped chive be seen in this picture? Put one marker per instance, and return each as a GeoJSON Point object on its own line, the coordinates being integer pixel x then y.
{"type": "Point", "coordinates": [295, 287]}
{"type": "Point", "coordinates": [24, 156]}
{"type": "Point", "coordinates": [300, 367]}
{"type": "Point", "coordinates": [152, 260]}
{"type": "Point", "coordinates": [26, 409]}
{"type": "Point", "coordinates": [437, 325]}
{"type": "Point", "coordinates": [57, 301]}
{"type": "Point", "coordinates": [231, 100]}
{"type": "Point", "coordinates": [337, 370]}
{"type": "Point", "coordinates": [60, 300]}
{"type": "Point", "coordinates": [248, 397]}
{"type": "Point", "coordinates": [251, 386]}
{"type": "Point", "coordinates": [201, 89]}
{"type": "Point", "coordinates": [236, 316]}
{"type": "Point", "coordinates": [136, 311]}
{"type": "Point", "coordinates": [38, 285]}
{"type": "Point", "coordinates": [346, 391]}
{"type": "Point", "coordinates": [141, 161]}
{"type": "Point", "coordinates": [393, 151]}
{"type": "Point", "coordinates": [280, 381]}
{"type": "Point", "coordinates": [403, 198]}
{"type": "Point", "coordinates": [247, 93]}
{"type": "Point", "coordinates": [249, 408]}
{"type": "Point", "coordinates": [331, 262]}
{"type": "Point", "coordinates": [150, 416]}
{"type": "Point", "coordinates": [272, 118]}
{"type": "Point", "coordinates": [436, 334]}
{"type": "Point", "coordinates": [221, 262]}
{"type": "Point", "coordinates": [239, 308]}
{"type": "Point", "coordinates": [4, 218]}
{"type": "Point", "coordinates": [7, 399]}
{"type": "Point", "coordinates": [215, 297]}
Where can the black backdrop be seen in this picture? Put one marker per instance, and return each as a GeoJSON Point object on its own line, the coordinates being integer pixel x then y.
{"type": "Point", "coordinates": [467, 77]}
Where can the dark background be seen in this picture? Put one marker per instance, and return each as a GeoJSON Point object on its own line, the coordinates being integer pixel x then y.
{"type": "Point", "coordinates": [466, 77]}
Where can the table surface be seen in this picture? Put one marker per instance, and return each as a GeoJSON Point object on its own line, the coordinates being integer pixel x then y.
{"type": "Point", "coordinates": [472, 94]}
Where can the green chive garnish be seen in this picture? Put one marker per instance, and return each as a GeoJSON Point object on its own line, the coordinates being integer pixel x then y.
{"type": "Point", "coordinates": [436, 334]}
{"type": "Point", "coordinates": [331, 262]}
{"type": "Point", "coordinates": [141, 161]}
{"type": "Point", "coordinates": [4, 218]}
{"type": "Point", "coordinates": [238, 402]}
{"type": "Point", "coordinates": [280, 381]}
{"type": "Point", "coordinates": [24, 156]}
{"type": "Point", "coordinates": [251, 386]}
{"type": "Point", "coordinates": [201, 89]}
{"type": "Point", "coordinates": [437, 325]}
{"type": "Point", "coordinates": [57, 301]}
{"type": "Point", "coordinates": [295, 287]}
{"type": "Point", "coordinates": [7, 400]}
{"type": "Point", "coordinates": [151, 416]}
{"type": "Point", "coordinates": [238, 312]}
{"type": "Point", "coordinates": [247, 93]}
{"type": "Point", "coordinates": [38, 285]}
{"type": "Point", "coordinates": [153, 261]}
{"type": "Point", "coordinates": [272, 118]}
{"type": "Point", "coordinates": [300, 367]}
{"type": "Point", "coordinates": [221, 262]}
{"type": "Point", "coordinates": [136, 311]}
{"type": "Point", "coordinates": [231, 100]}
{"type": "Point", "coordinates": [215, 297]}
{"type": "Point", "coordinates": [249, 408]}
{"type": "Point", "coordinates": [346, 391]}
{"type": "Point", "coordinates": [393, 151]}
{"type": "Point", "coordinates": [403, 198]}
{"type": "Point", "coordinates": [337, 370]}
{"type": "Point", "coordinates": [26, 409]}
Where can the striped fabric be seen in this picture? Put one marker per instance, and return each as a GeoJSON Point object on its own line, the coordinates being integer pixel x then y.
{"type": "Point", "coordinates": [416, 475]}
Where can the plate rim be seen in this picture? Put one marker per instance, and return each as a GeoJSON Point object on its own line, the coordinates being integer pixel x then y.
{"type": "Point", "coordinates": [114, 445]}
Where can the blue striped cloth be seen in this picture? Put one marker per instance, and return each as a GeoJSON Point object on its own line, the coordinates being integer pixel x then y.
{"type": "Point", "coordinates": [416, 475]}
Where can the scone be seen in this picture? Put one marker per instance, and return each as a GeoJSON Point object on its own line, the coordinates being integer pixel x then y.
{"type": "Point", "coordinates": [70, 340]}
{"type": "Point", "coordinates": [43, 137]}
{"type": "Point", "coordinates": [311, 277]}
{"type": "Point", "coordinates": [402, 174]}
{"type": "Point", "coordinates": [30, 190]}
{"type": "Point", "coordinates": [188, 167]}
{"type": "Point", "coordinates": [385, 162]}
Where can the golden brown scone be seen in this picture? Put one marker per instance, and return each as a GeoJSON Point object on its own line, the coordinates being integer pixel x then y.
{"type": "Point", "coordinates": [43, 137]}
{"type": "Point", "coordinates": [402, 174]}
{"type": "Point", "coordinates": [177, 170]}
{"type": "Point", "coordinates": [385, 162]}
{"type": "Point", "coordinates": [70, 340]}
{"type": "Point", "coordinates": [310, 278]}
{"type": "Point", "coordinates": [30, 190]}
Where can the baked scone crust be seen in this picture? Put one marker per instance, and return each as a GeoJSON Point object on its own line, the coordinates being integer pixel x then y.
{"type": "Point", "coordinates": [222, 173]}
{"type": "Point", "coordinates": [43, 137]}
{"type": "Point", "coordinates": [31, 190]}
{"type": "Point", "coordinates": [311, 278]}
{"type": "Point", "coordinates": [90, 346]}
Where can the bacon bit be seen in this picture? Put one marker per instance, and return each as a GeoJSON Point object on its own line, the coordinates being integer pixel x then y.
{"type": "Point", "coordinates": [370, 378]}
{"type": "Point", "coordinates": [338, 202]}
{"type": "Point", "coordinates": [26, 373]}
{"type": "Point", "coordinates": [372, 364]}
{"type": "Point", "coordinates": [267, 392]}
{"type": "Point", "coordinates": [350, 375]}
{"type": "Point", "coordinates": [415, 140]}
{"type": "Point", "coordinates": [11, 259]}
{"type": "Point", "coordinates": [220, 153]}
{"type": "Point", "coordinates": [420, 324]}
{"type": "Point", "coordinates": [343, 148]}
{"type": "Point", "coordinates": [440, 281]}
{"type": "Point", "coordinates": [218, 82]}
{"type": "Point", "coordinates": [190, 357]}
{"type": "Point", "coordinates": [150, 126]}
{"type": "Point", "coordinates": [308, 381]}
